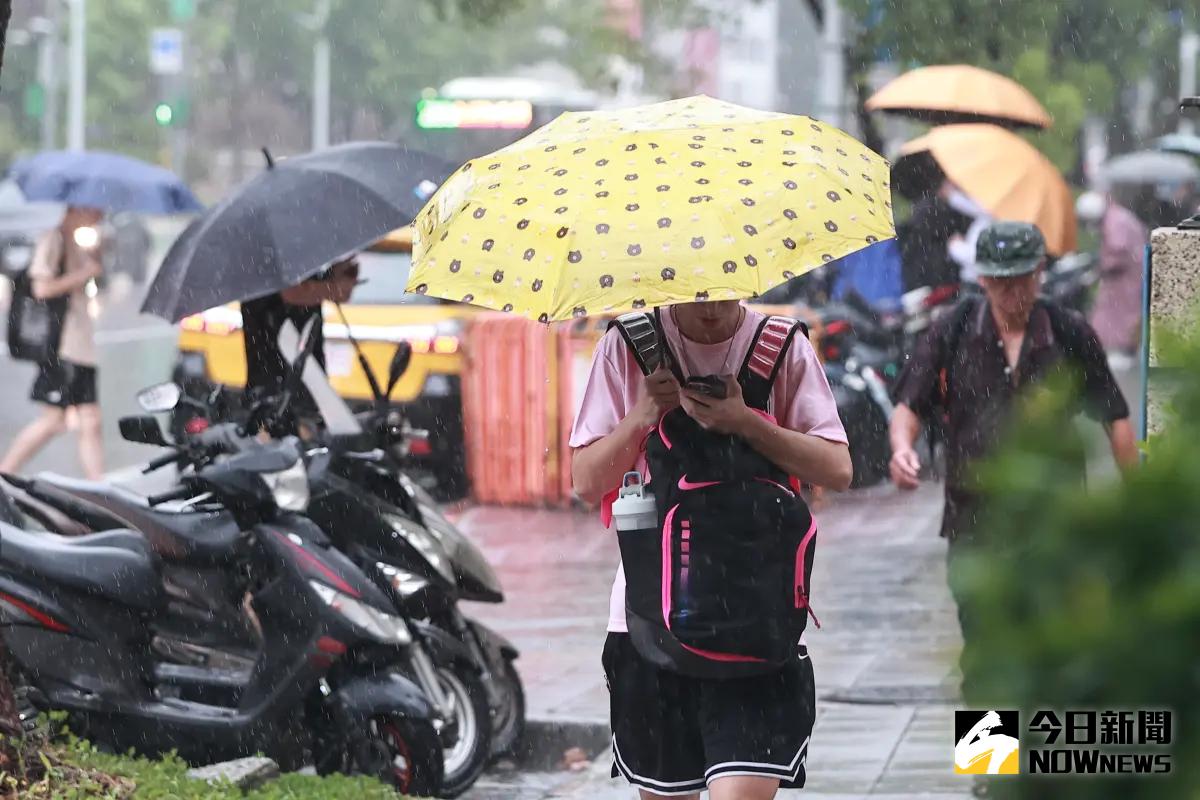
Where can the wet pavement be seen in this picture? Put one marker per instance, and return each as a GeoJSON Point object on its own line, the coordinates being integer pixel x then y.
{"type": "Point", "coordinates": [884, 656]}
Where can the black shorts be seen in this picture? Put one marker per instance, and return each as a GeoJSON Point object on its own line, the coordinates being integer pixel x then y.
{"type": "Point", "coordinates": [63, 384]}
{"type": "Point", "coordinates": [673, 734]}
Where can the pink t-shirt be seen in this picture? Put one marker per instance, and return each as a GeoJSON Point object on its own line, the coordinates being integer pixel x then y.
{"type": "Point", "coordinates": [800, 398]}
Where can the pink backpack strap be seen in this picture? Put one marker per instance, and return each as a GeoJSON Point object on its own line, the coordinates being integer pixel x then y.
{"type": "Point", "coordinates": [765, 356]}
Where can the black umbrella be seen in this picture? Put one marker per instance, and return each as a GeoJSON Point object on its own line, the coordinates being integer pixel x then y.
{"type": "Point", "coordinates": [289, 222]}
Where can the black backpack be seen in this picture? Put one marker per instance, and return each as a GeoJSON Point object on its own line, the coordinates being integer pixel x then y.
{"type": "Point", "coordinates": [720, 588]}
{"type": "Point", "coordinates": [34, 325]}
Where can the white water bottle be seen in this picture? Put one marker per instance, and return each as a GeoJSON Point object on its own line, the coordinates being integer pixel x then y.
{"type": "Point", "coordinates": [634, 509]}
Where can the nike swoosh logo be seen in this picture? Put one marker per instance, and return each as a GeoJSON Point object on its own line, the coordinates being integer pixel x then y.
{"type": "Point", "coordinates": [687, 486]}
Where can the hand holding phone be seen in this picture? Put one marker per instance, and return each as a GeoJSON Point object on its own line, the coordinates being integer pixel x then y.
{"type": "Point", "coordinates": [708, 385]}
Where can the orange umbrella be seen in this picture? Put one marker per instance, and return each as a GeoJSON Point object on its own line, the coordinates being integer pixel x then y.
{"type": "Point", "coordinates": [960, 93]}
{"type": "Point", "coordinates": [1004, 174]}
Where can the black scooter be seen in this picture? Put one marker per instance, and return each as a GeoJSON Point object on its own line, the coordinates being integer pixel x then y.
{"type": "Point", "coordinates": [76, 614]}
{"type": "Point", "coordinates": [382, 518]}
{"type": "Point", "coordinates": [463, 668]}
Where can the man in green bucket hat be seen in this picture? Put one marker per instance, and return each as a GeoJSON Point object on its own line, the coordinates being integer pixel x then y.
{"type": "Point", "coordinates": [977, 360]}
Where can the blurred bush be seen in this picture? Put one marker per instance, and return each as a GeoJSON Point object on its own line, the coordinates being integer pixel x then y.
{"type": "Point", "coordinates": [1090, 599]}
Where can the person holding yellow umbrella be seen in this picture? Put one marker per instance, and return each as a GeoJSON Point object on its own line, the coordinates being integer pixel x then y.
{"type": "Point", "coordinates": [676, 212]}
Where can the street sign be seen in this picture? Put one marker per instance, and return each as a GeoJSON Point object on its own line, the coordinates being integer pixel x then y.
{"type": "Point", "coordinates": [166, 51]}
{"type": "Point", "coordinates": [182, 10]}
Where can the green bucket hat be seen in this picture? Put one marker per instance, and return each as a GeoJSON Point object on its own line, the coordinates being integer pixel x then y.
{"type": "Point", "coordinates": [1009, 249]}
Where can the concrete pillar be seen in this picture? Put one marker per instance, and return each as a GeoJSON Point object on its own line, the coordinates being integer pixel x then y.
{"type": "Point", "coordinates": [1173, 301]}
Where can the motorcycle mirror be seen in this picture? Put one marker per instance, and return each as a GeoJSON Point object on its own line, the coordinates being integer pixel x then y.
{"type": "Point", "coordinates": [144, 430]}
{"type": "Point", "coordinates": [160, 397]}
{"type": "Point", "coordinates": [401, 358]}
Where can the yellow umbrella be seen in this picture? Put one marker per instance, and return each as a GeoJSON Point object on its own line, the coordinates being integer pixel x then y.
{"type": "Point", "coordinates": [960, 93]}
{"type": "Point", "coordinates": [674, 202]}
{"type": "Point", "coordinates": [1006, 175]}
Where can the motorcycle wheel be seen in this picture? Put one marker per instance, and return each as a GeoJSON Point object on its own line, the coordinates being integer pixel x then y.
{"type": "Point", "coordinates": [466, 739]}
{"type": "Point", "coordinates": [401, 752]}
{"type": "Point", "coordinates": [508, 721]}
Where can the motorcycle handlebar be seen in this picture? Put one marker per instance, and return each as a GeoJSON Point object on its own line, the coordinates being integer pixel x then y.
{"type": "Point", "coordinates": [178, 493]}
{"type": "Point", "coordinates": [162, 461]}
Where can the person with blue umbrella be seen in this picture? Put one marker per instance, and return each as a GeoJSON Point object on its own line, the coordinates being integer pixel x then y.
{"type": "Point", "coordinates": [66, 260]}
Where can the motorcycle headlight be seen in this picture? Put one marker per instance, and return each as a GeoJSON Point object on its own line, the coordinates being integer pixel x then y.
{"type": "Point", "coordinates": [377, 624]}
{"type": "Point", "coordinates": [403, 582]}
{"type": "Point", "coordinates": [289, 487]}
{"type": "Point", "coordinates": [425, 543]}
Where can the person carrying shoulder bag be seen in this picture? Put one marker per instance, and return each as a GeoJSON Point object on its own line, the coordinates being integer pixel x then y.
{"type": "Point", "coordinates": [63, 264]}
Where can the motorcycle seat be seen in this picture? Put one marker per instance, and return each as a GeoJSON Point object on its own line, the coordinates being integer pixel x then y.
{"type": "Point", "coordinates": [189, 536]}
{"type": "Point", "coordinates": [120, 538]}
{"type": "Point", "coordinates": [108, 564]}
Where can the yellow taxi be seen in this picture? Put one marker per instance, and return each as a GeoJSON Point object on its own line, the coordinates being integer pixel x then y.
{"type": "Point", "coordinates": [379, 315]}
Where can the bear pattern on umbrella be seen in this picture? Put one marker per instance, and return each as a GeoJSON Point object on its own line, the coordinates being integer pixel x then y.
{"type": "Point", "coordinates": [567, 215]}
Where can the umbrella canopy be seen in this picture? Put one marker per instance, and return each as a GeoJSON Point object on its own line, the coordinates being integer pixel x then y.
{"type": "Point", "coordinates": [1185, 143]}
{"type": "Point", "coordinates": [1149, 167]}
{"type": "Point", "coordinates": [687, 200]}
{"type": "Point", "coordinates": [959, 93]}
{"type": "Point", "coordinates": [1004, 174]}
{"type": "Point", "coordinates": [289, 222]}
{"type": "Point", "coordinates": [106, 181]}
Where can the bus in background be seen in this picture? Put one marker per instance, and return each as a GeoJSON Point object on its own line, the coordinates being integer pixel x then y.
{"type": "Point", "coordinates": [470, 117]}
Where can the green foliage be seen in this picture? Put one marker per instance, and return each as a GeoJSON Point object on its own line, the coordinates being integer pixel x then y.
{"type": "Point", "coordinates": [251, 61]}
{"type": "Point", "coordinates": [165, 779]}
{"type": "Point", "coordinates": [1063, 98]}
{"type": "Point", "coordinates": [1091, 599]}
{"type": "Point", "coordinates": [1075, 56]}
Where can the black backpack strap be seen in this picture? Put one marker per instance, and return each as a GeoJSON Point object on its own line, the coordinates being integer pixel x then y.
{"type": "Point", "coordinates": [1065, 332]}
{"type": "Point", "coordinates": [643, 335]}
{"type": "Point", "coordinates": [765, 356]}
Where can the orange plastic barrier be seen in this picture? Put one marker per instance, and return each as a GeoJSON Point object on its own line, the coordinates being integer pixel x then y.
{"type": "Point", "coordinates": [520, 392]}
{"type": "Point", "coordinates": [508, 420]}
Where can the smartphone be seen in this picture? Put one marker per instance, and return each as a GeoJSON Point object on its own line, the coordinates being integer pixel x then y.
{"type": "Point", "coordinates": [710, 385]}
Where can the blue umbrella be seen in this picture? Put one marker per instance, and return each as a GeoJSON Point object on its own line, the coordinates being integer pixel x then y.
{"type": "Point", "coordinates": [1185, 143]}
{"type": "Point", "coordinates": [106, 181]}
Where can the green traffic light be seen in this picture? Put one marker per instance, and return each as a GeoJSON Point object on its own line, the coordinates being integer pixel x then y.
{"type": "Point", "coordinates": [164, 114]}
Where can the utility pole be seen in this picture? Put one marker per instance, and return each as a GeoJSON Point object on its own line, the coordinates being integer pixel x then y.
{"type": "Point", "coordinates": [47, 30]}
{"type": "Point", "coordinates": [831, 90]}
{"type": "Point", "coordinates": [1189, 48]}
{"type": "Point", "coordinates": [77, 77]}
{"type": "Point", "coordinates": [320, 107]}
{"type": "Point", "coordinates": [179, 131]}
{"type": "Point", "coordinates": [316, 22]}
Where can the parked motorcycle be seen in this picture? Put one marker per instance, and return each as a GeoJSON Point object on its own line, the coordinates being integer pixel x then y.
{"type": "Point", "coordinates": [386, 524]}
{"type": "Point", "coordinates": [78, 616]}
{"type": "Point", "coordinates": [1070, 281]}
{"type": "Point", "coordinates": [861, 352]}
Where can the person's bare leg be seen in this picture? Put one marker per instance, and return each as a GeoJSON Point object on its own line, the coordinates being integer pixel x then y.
{"type": "Point", "coordinates": [91, 445]}
{"type": "Point", "coordinates": [743, 787]}
{"type": "Point", "coordinates": [645, 795]}
{"type": "Point", "coordinates": [33, 437]}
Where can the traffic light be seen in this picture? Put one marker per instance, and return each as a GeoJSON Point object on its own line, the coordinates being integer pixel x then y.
{"type": "Point", "coordinates": [164, 114]}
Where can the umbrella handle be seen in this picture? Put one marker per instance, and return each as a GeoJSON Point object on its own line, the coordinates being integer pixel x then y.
{"type": "Point", "coordinates": [267, 155]}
